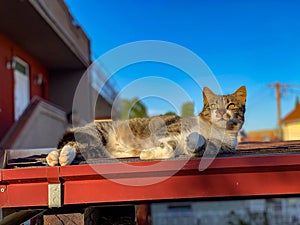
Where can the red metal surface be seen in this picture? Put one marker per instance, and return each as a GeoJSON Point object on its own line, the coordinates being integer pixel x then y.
{"type": "Point", "coordinates": [106, 183]}
{"type": "Point", "coordinates": [23, 187]}
{"type": "Point", "coordinates": [226, 177]}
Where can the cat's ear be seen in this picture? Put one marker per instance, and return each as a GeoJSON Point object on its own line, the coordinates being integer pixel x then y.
{"type": "Point", "coordinates": [241, 94]}
{"type": "Point", "coordinates": [207, 94]}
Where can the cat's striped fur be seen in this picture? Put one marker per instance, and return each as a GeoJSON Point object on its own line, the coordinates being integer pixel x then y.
{"type": "Point", "coordinates": [158, 137]}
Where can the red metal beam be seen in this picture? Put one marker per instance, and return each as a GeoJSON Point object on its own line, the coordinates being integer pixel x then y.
{"type": "Point", "coordinates": [24, 187]}
{"type": "Point", "coordinates": [225, 177]}
{"type": "Point", "coordinates": [250, 176]}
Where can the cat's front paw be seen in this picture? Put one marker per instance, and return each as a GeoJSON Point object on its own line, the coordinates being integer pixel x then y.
{"type": "Point", "coordinates": [195, 142]}
{"type": "Point", "coordinates": [67, 155]}
{"type": "Point", "coordinates": [52, 158]}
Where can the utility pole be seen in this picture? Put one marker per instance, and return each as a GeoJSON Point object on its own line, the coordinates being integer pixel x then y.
{"type": "Point", "coordinates": [278, 87]}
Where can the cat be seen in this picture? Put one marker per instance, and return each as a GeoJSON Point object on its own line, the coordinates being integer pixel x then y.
{"type": "Point", "coordinates": [158, 137]}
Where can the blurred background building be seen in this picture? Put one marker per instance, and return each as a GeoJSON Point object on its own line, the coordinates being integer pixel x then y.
{"type": "Point", "coordinates": [291, 124]}
{"type": "Point", "coordinates": [276, 211]}
{"type": "Point", "coordinates": [43, 55]}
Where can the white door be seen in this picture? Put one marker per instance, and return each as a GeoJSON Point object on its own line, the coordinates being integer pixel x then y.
{"type": "Point", "coordinates": [21, 87]}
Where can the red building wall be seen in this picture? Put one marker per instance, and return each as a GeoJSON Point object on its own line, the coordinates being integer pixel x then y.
{"type": "Point", "coordinates": [8, 49]}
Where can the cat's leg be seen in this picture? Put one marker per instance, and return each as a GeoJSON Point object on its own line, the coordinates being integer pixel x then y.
{"type": "Point", "coordinates": [68, 154]}
{"type": "Point", "coordinates": [125, 153]}
{"type": "Point", "coordinates": [52, 158]}
{"type": "Point", "coordinates": [164, 151]}
{"type": "Point", "coordinates": [64, 156]}
{"type": "Point", "coordinates": [212, 148]}
{"type": "Point", "coordinates": [195, 143]}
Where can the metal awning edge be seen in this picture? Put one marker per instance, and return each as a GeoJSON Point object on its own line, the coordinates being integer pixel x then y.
{"type": "Point", "coordinates": [152, 181]}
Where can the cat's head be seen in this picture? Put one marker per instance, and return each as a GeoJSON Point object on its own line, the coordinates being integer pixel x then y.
{"type": "Point", "coordinates": [225, 111]}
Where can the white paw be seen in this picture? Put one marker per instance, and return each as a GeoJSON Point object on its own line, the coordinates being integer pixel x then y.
{"type": "Point", "coordinates": [67, 155]}
{"type": "Point", "coordinates": [195, 141]}
{"type": "Point", "coordinates": [146, 154]}
{"type": "Point", "coordinates": [52, 158]}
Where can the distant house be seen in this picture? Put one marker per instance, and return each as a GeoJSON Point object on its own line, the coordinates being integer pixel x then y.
{"type": "Point", "coordinates": [43, 55]}
{"type": "Point", "coordinates": [262, 135]}
{"type": "Point", "coordinates": [291, 124]}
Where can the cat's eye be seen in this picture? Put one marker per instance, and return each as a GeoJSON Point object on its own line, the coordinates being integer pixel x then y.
{"type": "Point", "coordinates": [231, 106]}
{"type": "Point", "coordinates": [213, 106]}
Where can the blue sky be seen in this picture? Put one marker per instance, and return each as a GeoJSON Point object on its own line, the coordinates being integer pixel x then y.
{"type": "Point", "coordinates": [252, 43]}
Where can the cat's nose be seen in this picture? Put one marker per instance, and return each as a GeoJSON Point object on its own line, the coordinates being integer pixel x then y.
{"type": "Point", "coordinates": [222, 111]}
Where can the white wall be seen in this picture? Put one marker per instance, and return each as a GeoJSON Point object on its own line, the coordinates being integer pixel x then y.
{"type": "Point", "coordinates": [291, 131]}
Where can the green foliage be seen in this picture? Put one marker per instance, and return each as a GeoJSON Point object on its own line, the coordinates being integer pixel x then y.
{"type": "Point", "coordinates": [187, 109]}
{"type": "Point", "coordinates": [170, 113]}
{"type": "Point", "coordinates": [133, 108]}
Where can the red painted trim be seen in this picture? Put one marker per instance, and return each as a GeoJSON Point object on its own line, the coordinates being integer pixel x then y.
{"type": "Point", "coordinates": [27, 194]}
{"type": "Point", "coordinates": [23, 187]}
{"type": "Point", "coordinates": [250, 176]}
{"type": "Point", "coordinates": [184, 187]}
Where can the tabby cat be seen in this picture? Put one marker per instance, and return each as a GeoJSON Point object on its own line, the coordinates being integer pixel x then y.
{"type": "Point", "coordinates": [158, 137]}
